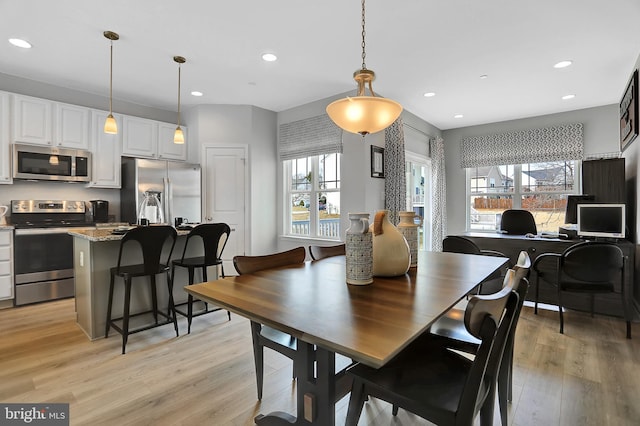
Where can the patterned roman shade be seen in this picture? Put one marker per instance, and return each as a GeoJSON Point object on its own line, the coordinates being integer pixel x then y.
{"type": "Point", "coordinates": [311, 136]}
{"type": "Point", "coordinates": [557, 143]}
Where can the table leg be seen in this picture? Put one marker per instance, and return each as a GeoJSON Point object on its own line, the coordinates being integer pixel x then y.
{"type": "Point", "coordinates": [316, 390]}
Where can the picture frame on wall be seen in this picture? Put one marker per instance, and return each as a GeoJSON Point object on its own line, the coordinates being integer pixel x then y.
{"type": "Point", "coordinates": [629, 113]}
{"type": "Point", "coordinates": [377, 162]}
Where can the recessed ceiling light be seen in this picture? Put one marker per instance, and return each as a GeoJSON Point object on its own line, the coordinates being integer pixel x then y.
{"type": "Point", "coordinates": [458, 116]}
{"type": "Point", "coordinates": [18, 42]}
{"type": "Point", "coordinates": [483, 76]}
{"type": "Point", "coordinates": [429, 94]}
{"type": "Point", "coordinates": [196, 93]}
{"type": "Point", "coordinates": [566, 97]}
{"type": "Point", "coordinates": [269, 57]}
{"type": "Point", "coordinates": [563, 64]}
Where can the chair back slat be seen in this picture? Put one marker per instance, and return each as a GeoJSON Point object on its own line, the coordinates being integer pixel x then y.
{"type": "Point", "coordinates": [593, 262]}
{"type": "Point", "coordinates": [251, 264]}
{"type": "Point", "coordinates": [320, 252]}
{"type": "Point", "coordinates": [214, 237]}
{"type": "Point", "coordinates": [151, 241]}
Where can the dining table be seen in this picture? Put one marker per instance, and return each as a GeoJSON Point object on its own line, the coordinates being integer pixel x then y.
{"type": "Point", "coordinates": [370, 323]}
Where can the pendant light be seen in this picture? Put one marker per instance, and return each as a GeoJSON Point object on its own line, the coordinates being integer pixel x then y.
{"type": "Point", "coordinates": [364, 114]}
{"type": "Point", "coordinates": [110, 125]}
{"type": "Point", "coordinates": [178, 136]}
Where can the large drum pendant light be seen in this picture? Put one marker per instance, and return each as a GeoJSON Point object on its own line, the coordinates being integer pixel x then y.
{"type": "Point", "coordinates": [364, 114]}
{"type": "Point", "coordinates": [110, 125]}
{"type": "Point", "coordinates": [178, 136]}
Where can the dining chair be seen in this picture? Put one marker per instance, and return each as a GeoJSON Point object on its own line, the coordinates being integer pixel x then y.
{"type": "Point", "coordinates": [440, 385]}
{"type": "Point", "coordinates": [320, 252]}
{"type": "Point", "coordinates": [459, 244]}
{"type": "Point", "coordinates": [518, 222]}
{"type": "Point", "coordinates": [211, 238]}
{"type": "Point", "coordinates": [147, 242]}
{"type": "Point", "coordinates": [450, 327]}
{"type": "Point", "coordinates": [590, 267]}
{"type": "Point", "coordinates": [262, 335]}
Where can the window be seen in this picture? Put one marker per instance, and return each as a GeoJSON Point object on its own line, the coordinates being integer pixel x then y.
{"type": "Point", "coordinates": [541, 188]}
{"type": "Point", "coordinates": [418, 195]}
{"type": "Point", "coordinates": [313, 195]}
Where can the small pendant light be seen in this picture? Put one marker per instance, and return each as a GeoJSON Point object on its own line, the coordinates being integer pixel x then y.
{"type": "Point", "coordinates": [178, 137]}
{"type": "Point", "coordinates": [110, 125]}
{"type": "Point", "coordinates": [364, 114]}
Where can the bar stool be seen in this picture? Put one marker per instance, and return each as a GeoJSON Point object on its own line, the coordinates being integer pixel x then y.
{"type": "Point", "coordinates": [210, 235]}
{"type": "Point", "coordinates": [150, 241]}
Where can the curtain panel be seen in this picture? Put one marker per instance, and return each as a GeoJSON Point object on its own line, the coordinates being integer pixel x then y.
{"type": "Point", "coordinates": [308, 137]}
{"type": "Point", "coordinates": [556, 143]}
{"type": "Point", "coordinates": [438, 193]}
{"type": "Point", "coordinates": [395, 180]}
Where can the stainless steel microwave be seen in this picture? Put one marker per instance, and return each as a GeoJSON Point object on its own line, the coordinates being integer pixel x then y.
{"type": "Point", "coordinates": [47, 163]}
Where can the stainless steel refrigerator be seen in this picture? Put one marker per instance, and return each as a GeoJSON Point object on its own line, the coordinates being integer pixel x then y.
{"type": "Point", "coordinates": [178, 185]}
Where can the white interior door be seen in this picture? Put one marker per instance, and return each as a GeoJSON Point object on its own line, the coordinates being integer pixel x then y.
{"type": "Point", "coordinates": [225, 196]}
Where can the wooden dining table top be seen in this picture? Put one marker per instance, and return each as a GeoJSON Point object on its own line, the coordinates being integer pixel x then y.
{"type": "Point", "coordinates": [368, 323]}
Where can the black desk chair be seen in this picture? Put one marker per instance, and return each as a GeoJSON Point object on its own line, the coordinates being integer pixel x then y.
{"type": "Point", "coordinates": [436, 383]}
{"type": "Point", "coordinates": [518, 222]}
{"type": "Point", "coordinates": [451, 327]}
{"type": "Point", "coordinates": [320, 252]}
{"type": "Point", "coordinates": [262, 335]}
{"type": "Point", "coordinates": [588, 267]}
{"type": "Point", "coordinates": [458, 244]}
{"type": "Point", "coordinates": [209, 236]}
{"type": "Point", "coordinates": [150, 241]}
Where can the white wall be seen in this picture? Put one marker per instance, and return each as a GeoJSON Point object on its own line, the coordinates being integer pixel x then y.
{"type": "Point", "coordinates": [601, 135]}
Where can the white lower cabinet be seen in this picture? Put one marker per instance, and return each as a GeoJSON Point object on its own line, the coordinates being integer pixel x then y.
{"type": "Point", "coordinates": [6, 264]}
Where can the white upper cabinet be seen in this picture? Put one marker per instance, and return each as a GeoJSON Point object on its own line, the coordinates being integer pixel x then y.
{"type": "Point", "coordinates": [32, 120]}
{"type": "Point", "coordinates": [140, 137]}
{"type": "Point", "coordinates": [167, 150]}
{"type": "Point", "coordinates": [105, 149]}
{"type": "Point", "coordinates": [71, 126]}
{"type": "Point", "coordinates": [43, 122]}
{"type": "Point", "coordinates": [5, 145]}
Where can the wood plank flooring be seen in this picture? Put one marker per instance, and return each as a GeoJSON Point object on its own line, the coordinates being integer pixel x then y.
{"type": "Point", "coordinates": [589, 376]}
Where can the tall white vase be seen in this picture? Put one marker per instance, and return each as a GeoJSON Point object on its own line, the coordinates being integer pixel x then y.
{"type": "Point", "coordinates": [359, 250]}
{"type": "Point", "coordinates": [391, 255]}
{"type": "Point", "coordinates": [409, 229]}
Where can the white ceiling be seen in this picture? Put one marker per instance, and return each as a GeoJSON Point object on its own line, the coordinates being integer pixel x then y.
{"type": "Point", "coordinates": [414, 46]}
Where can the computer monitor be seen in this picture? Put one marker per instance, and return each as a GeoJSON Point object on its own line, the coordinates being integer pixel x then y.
{"type": "Point", "coordinates": [601, 220]}
{"type": "Point", "coordinates": [571, 212]}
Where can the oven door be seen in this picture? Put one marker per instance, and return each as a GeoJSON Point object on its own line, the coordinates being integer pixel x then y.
{"type": "Point", "coordinates": [43, 265]}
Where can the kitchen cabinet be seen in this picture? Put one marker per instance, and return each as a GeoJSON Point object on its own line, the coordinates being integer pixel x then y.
{"type": "Point", "coordinates": [167, 150]}
{"type": "Point", "coordinates": [5, 143]}
{"type": "Point", "coordinates": [6, 264]}
{"type": "Point", "coordinates": [106, 150]}
{"type": "Point", "coordinates": [43, 122]}
{"type": "Point", "coordinates": [143, 138]}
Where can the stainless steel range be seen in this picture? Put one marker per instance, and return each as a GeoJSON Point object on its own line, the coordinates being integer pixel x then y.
{"type": "Point", "coordinates": [43, 248]}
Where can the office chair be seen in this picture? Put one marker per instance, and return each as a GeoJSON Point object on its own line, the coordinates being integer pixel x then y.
{"type": "Point", "coordinates": [518, 222]}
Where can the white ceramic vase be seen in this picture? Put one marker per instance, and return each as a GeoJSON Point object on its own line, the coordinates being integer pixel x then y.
{"type": "Point", "coordinates": [359, 250]}
{"type": "Point", "coordinates": [409, 229]}
{"type": "Point", "coordinates": [391, 255]}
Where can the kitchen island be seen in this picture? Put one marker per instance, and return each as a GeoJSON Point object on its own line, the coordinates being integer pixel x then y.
{"type": "Point", "coordinates": [95, 252]}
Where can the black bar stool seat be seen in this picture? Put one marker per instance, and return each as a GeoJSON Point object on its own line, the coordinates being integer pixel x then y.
{"type": "Point", "coordinates": [150, 242]}
{"type": "Point", "coordinates": [210, 236]}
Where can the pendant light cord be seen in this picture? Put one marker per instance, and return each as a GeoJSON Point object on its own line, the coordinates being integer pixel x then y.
{"type": "Point", "coordinates": [364, 66]}
{"type": "Point", "coordinates": [179, 94]}
{"type": "Point", "coordinates": [111, 81]}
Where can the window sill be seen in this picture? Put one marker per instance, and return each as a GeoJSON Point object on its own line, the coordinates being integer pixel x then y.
{"type": "Point", "coordinates": [305, 238]}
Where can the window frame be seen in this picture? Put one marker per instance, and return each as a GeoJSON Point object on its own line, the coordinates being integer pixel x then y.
{"type": "Point", "coordinates": [518, 192]}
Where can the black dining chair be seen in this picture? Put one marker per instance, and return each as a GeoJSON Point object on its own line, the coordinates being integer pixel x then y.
{"type": "Point", "coordinates": [146, 243]}
{"type": "Point", "coordinates": [321, 252]}
{"type": "Point", "coordinates": [459, 244]}
{"type": "Point", "coordinates": [589, 267]}
{"type": "Point", "coordinates": [440, 385]}
{"type": "Point", "coordinates": [211, 239]}
{"type": "Point", "coordinates": [518, 222]}
{"type": "Point", "coordinates": [262, 335]}
{"type": "Point", "coordinates": [451, 327]}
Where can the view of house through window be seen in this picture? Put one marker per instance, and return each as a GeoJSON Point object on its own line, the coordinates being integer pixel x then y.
{"type": "Point", "coordinates": [541, 188]}
{"type": "Point", "coordinates": [314, 196]}
{"type": "Point", "coordinates": [418, 196]}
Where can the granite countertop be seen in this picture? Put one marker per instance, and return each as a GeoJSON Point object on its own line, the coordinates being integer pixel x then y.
{"type": "Point", "coordinates": [103, 234]}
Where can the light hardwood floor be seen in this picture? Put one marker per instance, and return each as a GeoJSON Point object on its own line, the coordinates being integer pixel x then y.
{"type": "Point", "coordinates": [589, 376]}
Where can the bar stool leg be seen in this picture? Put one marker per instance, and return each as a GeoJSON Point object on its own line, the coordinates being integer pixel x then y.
{"type": "Point", "coordinates": [108, 325]}
{"type": "Point", "coordinates": [172, 306]}
{"type": "Point", "coordinates": [190, 301]}
{"type": "Point", "coordinates": [125, 313]}
{"type": "Point", "coordinates": [154, 297]}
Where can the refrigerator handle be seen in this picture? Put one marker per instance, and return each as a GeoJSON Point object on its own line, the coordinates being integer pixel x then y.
{"type": "Point", "coordinates": [168, 200]}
